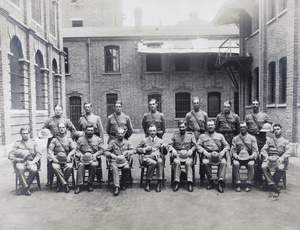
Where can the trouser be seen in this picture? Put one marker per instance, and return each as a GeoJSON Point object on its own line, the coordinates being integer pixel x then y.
{"type": "Point", "coordinates": [116, 176]}
{"type": "Point", "coordinates": [236, 171]}
{"type": "Point", "coordinates": [49, 163]}
{"type": "Point", "coordinates": [20, 170]}
{"type": "Point", "coordinates": [62, 171]}
{"type": "Point", "coordinates": [188, 170]}
{"type": "Point", "coordinates": [81, 172]}
{"type": "Point", "coordinates": [221, 169]}
{"type": "Point", "coordinates": [277, 175]}
{"type": "Point", "coordinates": [152, 165]}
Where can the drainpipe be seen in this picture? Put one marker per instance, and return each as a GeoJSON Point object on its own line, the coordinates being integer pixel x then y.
{"type": "Point", "coordinates": [89, 66]}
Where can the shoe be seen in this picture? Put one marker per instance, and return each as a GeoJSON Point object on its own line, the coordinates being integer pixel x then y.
{"type": "Point", "coordinates": [158, 187]}
{"type": "Point", "coordinates": [220, 187]}
{"type": "Point", "coordinates": [123, 187]}
{"type": "Point", "coordinates": [90, 187]}
{"type": "Point", "coordinates": [211, 185]}
{"type": "Point", "coordinates": [67, 189]}
{"type": "Point", "coordinates": [78, 189]}
{"type": "Point", "coordinates": [59, 189]}
{"type": "Point", "coordinates": [147, 188]}
{"type": "Point", "coordinates": [248, 188]}
{"type": "Point", "coordinates": [116, 192]}
{"type": "Point", "coordinates": [238, 188]}
{"type": "Point", "coordinates": [190, 187]}
{"type": "Point", "coordinates": [26, 192]}
{"type": "Point", "coordinates": [275, 189]}
{"type": "Point", "coordinates": [176, 186]}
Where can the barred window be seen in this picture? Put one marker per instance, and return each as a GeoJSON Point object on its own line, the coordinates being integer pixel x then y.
{"type": "Point", "coordinates": [236, 102]}
{"type": "Point", "coordinates": [153, 62]}
{"type": "Point", "coordinates": [52, 18]}
{"type": "Point", "coordinates": [66, 50]}
{"type": "Point", "coordinates": [214, 104]}
{"type": "Point", "coordinates": [282, 80]}
{"type": "Point", "coordinates": [112, 59]}
{"type": "Point", "coordinates": [36, 10]}
{"type": "Point", "coordinates": [182, 104]}
{"type": "Point", "coordinates": [272, 82]}
{"type": "Point", "coordinates": [250, 87]}
{"type": "Point", "coordinates": [75, 110]}
{"type": "Point", "coordinates": [111, 98]}
{"type": "Point", "coordinates": [157, 97]}
{"type": "Point", "coordinates": [182, 62]}
{"type": "Point", "coordinates": [56, 84]}
{"type": "Point", "coordinates": [256, 75]}
{"type": "Point", "coordinates": [39, 81]}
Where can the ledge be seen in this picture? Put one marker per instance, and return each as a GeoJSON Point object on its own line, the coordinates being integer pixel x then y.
{"type": "Point", "coordinates": [271, 21]}
{"type": "Point", "coordinates": [111, 73]}
{"type": "Point", "coordinates": [158, 72]}
{"type": "Point", "coordinates": [271, 106]}
{"type": "Point", "coordinates": [281, 105]}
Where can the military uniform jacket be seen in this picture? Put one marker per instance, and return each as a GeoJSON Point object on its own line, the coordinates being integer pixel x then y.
{"type": "Point", "coordinates": [247, 142]}
{"type": "Point", "coordinates": [95, 121]}
{"type": "Point", "coordinates": [156, 146]}
{"type": "Point", "coordinates": [122, 121]}
{"type": "Point", "coordinates": [280, 146]}
{"type": "Point", "coordinates": [52, 123]}
{"type": "Point", "coordinates": [118, 148]}
{"type": "Point", "coordinates": [198, 124]}
{"type": "Point", "coordinates": [92, 145]}
{"type": "Point", "coordinates": [157, 118]}
{"type": "Point", "coordinates": [60, 144]}
{"type": "Point", "coordinates": [212, 142]}
{"type": "Point", "coordinates": [228, 123]}
{"type": "Point", "coordinates": [260, 117]}
{"type": "Point", "coordinates": [20, 147]}
{"type": "Point", "coordinates": [186, 141]}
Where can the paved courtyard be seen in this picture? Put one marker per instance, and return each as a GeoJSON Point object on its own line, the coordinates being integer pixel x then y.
{"type": "Point", "coordinates": [136, 209]}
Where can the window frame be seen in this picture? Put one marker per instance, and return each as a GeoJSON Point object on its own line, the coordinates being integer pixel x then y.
{"type": "Point", "coordinates": [182, 104]}
{"type": "Point", "coordinates": [283, 80]}
{"type": "Point", "coordinates": [111, 60]}
{"type": "Point", "coordinates": [36, 11]}
{"type": "Point", "coordinates": [182, 62]}
{"type": "Point", "coordinates": [272, 82]}
{"type": "Point", "coordinates": [153, 65]}
{"type": "Point", "coordinates": [110, 102]}
{"type": "Point", "coordinates": [210, 104]}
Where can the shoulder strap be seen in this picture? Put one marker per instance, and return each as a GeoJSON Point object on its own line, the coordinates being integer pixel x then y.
{"type": "Point", "coordinates": [245, 143]}
{"type": "Point", "coordinates": [89, 144]}
{"type": "Point", "coordinates": [119, 125]}
{"type": "Point", "coordinates": [62, 144]}
{"type": "Point", "coordinates": [192, 112]}
{"type": "Point", "coordinates": [86, 118]}
{"type": "Point", "coordinates": [256, 123]}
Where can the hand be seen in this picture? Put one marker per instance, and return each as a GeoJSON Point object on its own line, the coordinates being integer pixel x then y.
{"type": "Point", "coordinates": [113, 156]}
{"type": "Point", "coordinates": [281, 160]}
{"type": "Point", "coordinates": [174, 153]}
{"type": "Point", "coordinates": [55, 160]}
{"type": "Point", "coordinates": [30, 163]}
{"type": "Point", "coordinates": [190, 153]}
{"type": "Point", "coordinates": [94, 157]}
{"type": "Point", "coordinates": [250, 157]}
{"type": "Point", "coordinates": [160, 132]}
{"type": "Point", "coordinates": [207, 154]}
{"type": "Point", "coordinates": [148, 148]}
{"type": "Point", "coordinates": [266, 159]}
{"type": "Point", "coordinates": [68, 159]}
{"type": "Point", "coordinates": [18, 160]}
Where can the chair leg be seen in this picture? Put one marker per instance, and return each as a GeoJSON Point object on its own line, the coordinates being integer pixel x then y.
{"type": "Point", "coordinates": [99, 176]}
{"type": "Point", "coordinates": [130, 178]}
{"type": "Point", "coordinates": [172, 175]}
{"type": "Point", "coordinates": [37, 177]}
{"type": "Point", "coordinates": [51, 177]}
{"type": "Point", "coordinates": [142, 177]}
{"type": "Point", "coordinates": [109, 177]}
{"type": "Point", "coordinates": [73, 178]}
{"type": "Point", "coordinates": [163, 178]}
{"type": "Point", "coordinates": [193, 170]}
{"type": "Point", "coordinates": [284, 179]}
{"type": "Point", "coordinates": [17, 184]}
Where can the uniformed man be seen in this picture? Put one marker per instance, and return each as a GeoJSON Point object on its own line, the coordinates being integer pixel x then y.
{"type": "Point", "coordinates": [52, 124]}
{"type": "Point", "coordinates": [25, 155]}
{"type": "Point", "coordinates": [60, 149]}
{"type": "Point", "coordinates": [275, 152]}
{"type": "Point", "coordinates": [153, 150]}
{"type": "Point", "coordinates": [181, 148]}
{"type": "Point", "coordinates": [196, 120]}
{"type": "Point", "coordinates": [118, 120]}
{"type": "Point", "coordinates": [90, 118]}
{"type": "Point", "coordinates": [89, 148]}
{"type": "Point", "coordinates": [213, 147]}
{"type": "Point", "coordinates": [154, 117]}
{"type": "Point", "coordinates": [228, 123]}
{"type": "Point", "coordinates": [244, 151]}
{"type": "Point", "coordinates": [119, 152]}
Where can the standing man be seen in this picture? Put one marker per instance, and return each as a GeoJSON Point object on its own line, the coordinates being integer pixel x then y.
{"type": "Point", "coordinates": [25, 155]}
{"type": "Point", "coordinates": [244, 151]}
{"type": "Point", "coordinates": [52, 124]}
{"type": "Point", "coordinates": [213, 147]}
{"type": "Point", "coordinates": [183, 144]}
{"type": "Point", "coordinates": [89, 148]}
{"type": "Point", "coordinates": [59, 152]}
{"type": "Point", "coordinates": [153, 150]}
{"type": "Point", "coordinates": [196, 120]}
{"type": "Point", "coordinates": [154, 118]}
{"type": "Point", "coordinates": [90, 118]}
{"type": "Point", "coordinates": [228, 123]}
{"type": "Point", "coordinates": [118, 120]}
{"type": "Point", "coordinates": [275, 152]}
{"type": "Point", "coordinates": [119, 152]}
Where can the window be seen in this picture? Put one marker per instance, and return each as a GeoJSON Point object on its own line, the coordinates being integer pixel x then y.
{"type": "Point", "coordinates": [153, 62]}
{"type": "Point", "coordinates": [75, 110]}
{"type": "Point", "coordinates": [214, 103]}
{"type": "Point", "coordinates": [111, 98]}
{"type": "Point", "coordinates": [256, 16]}
{"type": "Point", "coordinates": [182, 62]}
{"type": "Point", "coordinates": [256, 76]}
{"type": "Point", "coordinates": [66, 50]}
{"type": "Point", "coordinates": [271, 9]}
{"type": "Point", "coordinates": [36, 10]}
{"type": "Point", "coordinates": [282, 80]}
{"type": "Point", "coordinates": [16, 2]}
{"type": "Point", "coordinates": [250, 84]}
{"type": "Point", "coordinates": [39, 81]}
{"type": "Point", "coordinates": [282, 5]}
{"type": "Point", "coordinates": [157, 97]}
{"type": "Point", "coordinates": [236, 102]}
{"type": "Point", "coordinates": [16, 81]}
{"type": "Point", "coordinates": [56, 84]}
{"type": "Point", "coordinates": [112, 59]}
{"type": "Point", "coordinates": [272, 82]}
{"type": "Point", "coordinates": [77, 23]}
{"type": "Point", "coordinates": [182, 104]}
{"type": "Point", "coordinates": [211, 63]}
{"type": "Point", "coordinates": [52, 19]}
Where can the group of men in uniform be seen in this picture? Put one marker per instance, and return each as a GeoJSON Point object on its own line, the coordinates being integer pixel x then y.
{"type": "Point", "coordinates": [243, 143]}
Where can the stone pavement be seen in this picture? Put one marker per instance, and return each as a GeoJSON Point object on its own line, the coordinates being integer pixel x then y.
{"type": "Point", "coordinates": [136, 209]}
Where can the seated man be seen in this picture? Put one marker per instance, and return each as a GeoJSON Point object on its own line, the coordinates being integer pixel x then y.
{"type": "Point", "coordinates": [60, 149]}
{"type": "Point", "coordinates": [89, 148]}
{"type": "Point", "coordinates": [213, 147]}
{"type": "Point", "coordinates": [25, 155]}
{"type": "Point", "coordinates": [119, 152]}
{"type": "Point", "coordinates": [244, 152]}
{"type": "Point", "coordinates": [275, 152]}
{"type": "Point", "coordinates": [153, 149]}
{"type": "Point", "coordinates": [182, 144]}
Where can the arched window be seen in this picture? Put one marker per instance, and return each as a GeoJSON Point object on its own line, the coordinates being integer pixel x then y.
{"type": "Point", "coordinates": [213, 103]}
{"type": "Point", "coordinates": [256, 76]}
{"type": "Point", "coordinates": [282, 80]}
{"type": "Point", "coordinates": [157, 97]}
{"type": "Point", "coordinates": [16, 82]}
{"type": "Point", "coordinates": [39, 81]}
{"type": "Point", "coordinates": [111, 98]}
{"type": "Point", "coordinates": [75, 110]}
{"type": "Point", "coordinates": [272, 82]}
{"type": "Point", "coordinates": [112, 59]}
{"type": "Point", "coordinates": [182, 104]}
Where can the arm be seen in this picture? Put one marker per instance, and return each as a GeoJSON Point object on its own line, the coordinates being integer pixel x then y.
{"type": "Point", "coordinates": [193, 144]}
{"type": "Point", "coordinates": [217, 123]}
{"type": "Point", "coordinates": [205, 121]}
{"type": "Point", "coordinates": [72, 145]}
{"type": "Point", "coordinates": [140, 149]}
{"type": "Point", "coordinates": [100, 148]}
{"type": "Point", "coordinates": [51, 155]}
{"type": "Point", "coordinates": [199, 147]}
{"type": "Point", "coordinates": [100, 128]}
{"type": "Point", "coordinates": [254, 148]}
{"type": "Point", "coordinates": [144, 123]}
{"type": "Point", "coordinates": [11, 154]}
{"type": "Point", "coordinates": [187, 121]}
{"type": "Point", "coordinates": [71, 127]}
{"type": "Point", "coordinates": [163, 123]}
{"type": "Point", "coordinates": [237, 125]}
{"type": "Point", "coordinates": [288, 151]}
{"type": "Point", "coordinates": [108, 126]}
{"type": "Point", "coordinates": [226, 146]}
{"type": "Point", "coordinates": [264, 151]}
{"type": "Point", "coordinates": [129, 126]}
{"type": "Point", "coordinates": [109, 150]}
{"type": "Point", "coordinates": [37, 152]}
{"type": "Point", "coordinates": [234, 149]}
